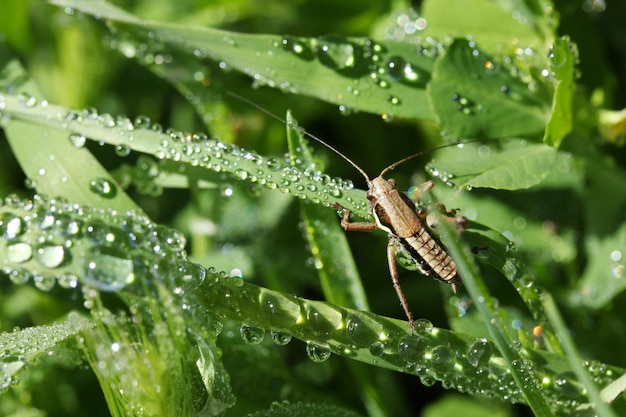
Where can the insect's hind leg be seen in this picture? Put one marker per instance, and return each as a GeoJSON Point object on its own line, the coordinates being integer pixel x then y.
{"type": "Point", "coordinates": [393, 271]}
{"type": "Point", "coordinates": [349, 226]}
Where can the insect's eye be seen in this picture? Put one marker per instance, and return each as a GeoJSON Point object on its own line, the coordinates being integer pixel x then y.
{"type": "Point", "coordinates": [392, 182]}
{"type": "Point", "coordinates": [369, 195]}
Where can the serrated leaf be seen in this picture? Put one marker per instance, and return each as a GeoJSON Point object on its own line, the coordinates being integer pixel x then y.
{"type": "Point", "coordinates": [474, 97]}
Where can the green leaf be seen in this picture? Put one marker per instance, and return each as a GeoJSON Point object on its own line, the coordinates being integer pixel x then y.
{"type": "Point", "coordinates": [476, 96]}
{"type": "Point", "coordinates": [517, 164]}
{"type": "Point", "coordinates": [285, 409]}
{"type": "Point", "coordinates": [346, 68]}
{"type": "Point", "coordinates": [563, 57]}
{"type": "Point", "coordinates": [24, 347]}
{"type": "Point", "coordinates": [600, 408]}
{"type": "Point", "coordinates": [602, 279]}
{"type": "Point", "coordinates": [491, 24]}
{"type": "Point", "coordinates": [50, 157]}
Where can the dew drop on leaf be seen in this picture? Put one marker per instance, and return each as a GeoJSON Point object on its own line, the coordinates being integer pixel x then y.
{"type": "Point", "coordinates": [251, 334]}
{"type": "Point", "coordinates": [280, 338]}
{"type": "Point", "coordinates": [317, 352]}
{"type": "Point", "coordinates": [108, 268]}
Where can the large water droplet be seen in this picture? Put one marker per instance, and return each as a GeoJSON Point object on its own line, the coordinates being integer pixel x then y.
{"type": "Point", "coordinates": [398, 69]}
{"type": "Point", "coordinates": [443, 358]}
{"type": "Point", "coordinates": [251, 334]}
{"type": "Point", "coordinates": [108, 268]}
{"type": "Point", "coordinates": [336, 53]}
{"type": "Point", "coordinates": [19, 252]}
{"type": "Point", "coordinates": [50, 255]}
{"type": "Point", "coordinates": [412, 348]}
{"type": "Point", "coordinates": [479, 352]}
{"type": "Point", "coordinates": [317, 352]}
{"type": "Point", "coordinates": [280, 338]}
{"type": "Point", "coordinates": [11, 226]}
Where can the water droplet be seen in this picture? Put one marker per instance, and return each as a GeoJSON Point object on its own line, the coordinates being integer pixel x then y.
{"type": "Point", "coordinates": [27, 100]}
{"type": "Point", "coordinates": [398, 69]}
{"type": "Point", "coordinates": [122, 150]}
{"type": "Point", "coordinates": [317, 352]}
{"type": "Point", "coordinates": [319, 323]}
{"type": "Point", "coordinates": [427, 380]}
{"type": "Point", "coordinates": [19, 252]}
{"type": "Point", "coordinates": [108, 268]}
{"type": "Point", "coordinates": [479, 352]}
{"type": "Point", "coordinates": [68, 281]}
{"type": "Point", "coordinates": [360, 333]}
{"type": "Point", "coordinates": [280, 338]}
{"type": "Point", "coordinates": [44, 283]}
{"type": "Point", "coordinates": [443, 358]}
{"type": "Point", "coordinates": [510, 269]}
{"type": "Point", "coordinates": [336, 52]}
{"type": "Point", "coordinates": [78, 140]}
{"type": "Point", "coordinates": [377, 349]}
{"type": "Point", "coordinates": [50, 255]}
{"type": "Point", "coordinates": [103, 187]}
{"type": "Point", "coordinates": [557, 56]}
{"type": "Point", "coordinates": [423, 325]}
{"type": "Point", "coordinates": [412, 348]}
{"type": "Point", "coordinates": [299, 48]}
{"type": "Point", "coordinates": [251, 334]}
{"type": "Point", "coordinates": [11, 226]}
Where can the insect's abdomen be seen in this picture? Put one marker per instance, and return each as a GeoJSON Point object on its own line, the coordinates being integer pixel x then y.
{"type": "Point", "coordinates": [430, 256]}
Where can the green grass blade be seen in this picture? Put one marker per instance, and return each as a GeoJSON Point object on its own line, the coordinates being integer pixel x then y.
{"type": "Point", "coordinates": [47, 155]}
{"type": "Point", "coordinates": [601, 408]}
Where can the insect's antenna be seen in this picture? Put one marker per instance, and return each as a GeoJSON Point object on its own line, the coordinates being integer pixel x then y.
{"type": "Point", "coordinates": [415, 155]}
{"type": "Point", "coordinates": [310, 135]}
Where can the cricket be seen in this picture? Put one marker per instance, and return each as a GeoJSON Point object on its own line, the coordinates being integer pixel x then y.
{"type": "Point", "coordinates": [408, 228]}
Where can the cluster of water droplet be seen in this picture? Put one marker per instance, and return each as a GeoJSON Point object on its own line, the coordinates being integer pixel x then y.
{"type": "Point", "coordinates": [53, 242]}
{"type": "Point", "coordinates": [361, 58]}
{"type": "Point", "coordinates": [191, 150]}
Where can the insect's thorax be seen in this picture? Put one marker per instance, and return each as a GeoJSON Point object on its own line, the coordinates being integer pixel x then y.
{"type": "Point", "coordinates": [394, 211]}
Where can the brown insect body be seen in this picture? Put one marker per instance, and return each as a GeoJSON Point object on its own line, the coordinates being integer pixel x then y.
{"type": "Point", "coordinates": [396, 214]}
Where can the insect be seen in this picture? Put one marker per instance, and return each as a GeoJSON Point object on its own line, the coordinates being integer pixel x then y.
{"type": "Point", "coordinates": [395, 213]}
{"type": "Point", "coordinates": [405, 225]}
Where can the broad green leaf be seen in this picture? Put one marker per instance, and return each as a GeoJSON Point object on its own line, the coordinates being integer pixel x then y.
{"type": "Point", "coordinates": [492, 24]}
{"type": "Point", "coordinates": [602, 279]}
{"type": "Point", "coordinates": [383, 77]}
{"type": "Point", "coordinates": [518, 165]}
{"type": "Point", "coordinates": [456, 405]}
{"type": "Point", "coordinates": [476, 96]}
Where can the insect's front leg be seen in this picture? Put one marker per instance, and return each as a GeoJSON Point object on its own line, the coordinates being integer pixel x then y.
{"type": "Point", "coordinates": [349, 226]}
{"type": "Point", "coordinates": [393, 272]}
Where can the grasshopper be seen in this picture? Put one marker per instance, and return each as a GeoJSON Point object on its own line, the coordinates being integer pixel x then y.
{"type": "Point", "coordinates": [406, 227]}
{"type": "Point", "coordinates": [395, 213]}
